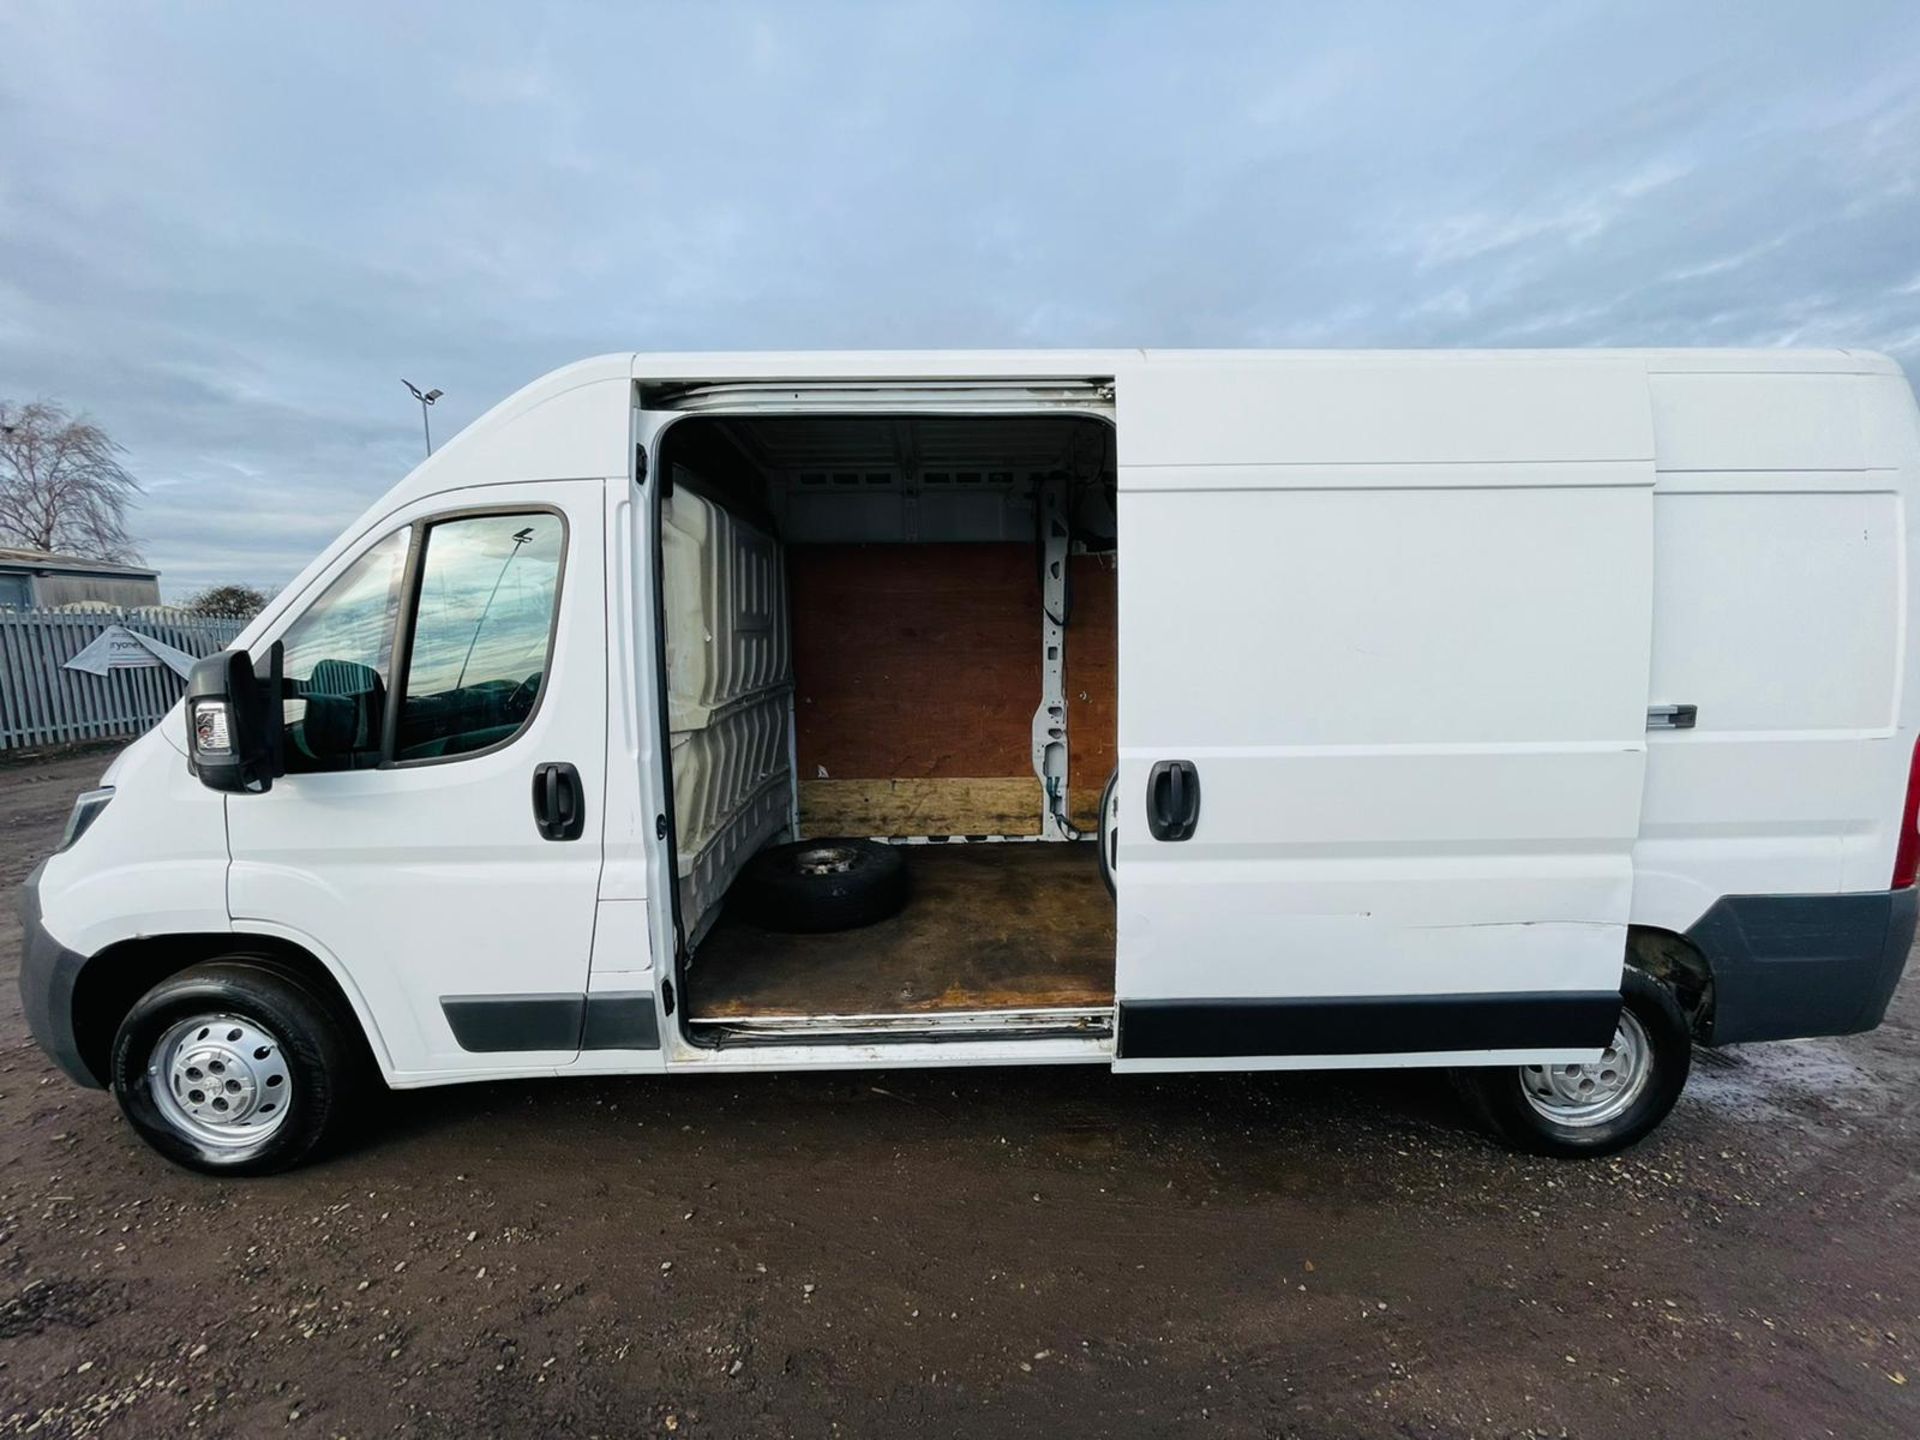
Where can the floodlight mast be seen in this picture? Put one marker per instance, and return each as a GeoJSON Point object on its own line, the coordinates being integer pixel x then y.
{"type": "Point", "coordinates": [425, 400]}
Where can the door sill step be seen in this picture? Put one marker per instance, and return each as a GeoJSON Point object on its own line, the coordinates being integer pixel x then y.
{"type": "Point", "coordinates": [1036, 1024]}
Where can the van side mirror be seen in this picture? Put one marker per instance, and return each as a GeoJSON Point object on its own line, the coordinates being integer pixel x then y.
{"type": "Point", "coordinates": [233, 722]}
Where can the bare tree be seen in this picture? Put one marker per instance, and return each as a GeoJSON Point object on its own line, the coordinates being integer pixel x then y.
{"type": "Point", "coordinates": [62, 486]}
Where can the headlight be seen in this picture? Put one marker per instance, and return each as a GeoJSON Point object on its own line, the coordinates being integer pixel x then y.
{"type": "Point", "coordinates": [86, 810]}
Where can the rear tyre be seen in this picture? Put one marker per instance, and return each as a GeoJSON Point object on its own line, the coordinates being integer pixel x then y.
{"type": "Point", "coordinates": [236, 1068]}
{"type": "Point", "coordinates": [1596, 1109]}
{"type": "Point", "coordinates": [812, 886]}
{"type": "Point", "coordinates": [1109, 828]}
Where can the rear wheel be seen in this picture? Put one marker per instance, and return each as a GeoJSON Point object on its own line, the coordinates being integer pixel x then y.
{"type": "Point", "coordinates": [1600, 1107]}
{"type": "Point", "coordinates": [235, 1068]}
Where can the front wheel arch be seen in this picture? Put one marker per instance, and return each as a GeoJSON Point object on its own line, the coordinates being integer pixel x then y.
{"type": "Point", "coordinates": [236, 1067]}
{"type": "Point", "coordinates": [112, 981]}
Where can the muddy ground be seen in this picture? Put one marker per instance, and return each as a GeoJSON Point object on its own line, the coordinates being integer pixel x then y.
{"type": "Point", "coordinates": [1000, 1252]}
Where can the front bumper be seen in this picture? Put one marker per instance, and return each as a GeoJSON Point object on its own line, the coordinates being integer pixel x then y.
{"type": "Point", "coordinates": [48, 972]}
{"type": "Point", "coordinates": [1789, 966]}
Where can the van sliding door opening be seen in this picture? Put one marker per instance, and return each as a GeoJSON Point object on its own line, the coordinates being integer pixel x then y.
{"type": "Point", "coordinates": [893, 628]}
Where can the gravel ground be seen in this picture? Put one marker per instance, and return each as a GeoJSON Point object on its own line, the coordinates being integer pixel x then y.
{"type": "Point", "coordinates": [1056, 1251]}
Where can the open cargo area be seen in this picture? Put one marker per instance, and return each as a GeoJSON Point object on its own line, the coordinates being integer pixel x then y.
{"type": "Point", "coordinates": [985, 928]}
{"type": "Point", "coordinates": [895, 628]}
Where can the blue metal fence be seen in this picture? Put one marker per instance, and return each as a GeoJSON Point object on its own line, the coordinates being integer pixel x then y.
{"type": "Point", "coordinates": [43, 703]}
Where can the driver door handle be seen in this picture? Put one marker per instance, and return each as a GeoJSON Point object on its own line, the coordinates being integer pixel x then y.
{"type": "Point", "coordinates": [559, 802]}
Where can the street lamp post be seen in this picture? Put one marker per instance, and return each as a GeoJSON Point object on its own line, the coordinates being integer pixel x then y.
{"type": "Point", "coordinates": [425, 401]}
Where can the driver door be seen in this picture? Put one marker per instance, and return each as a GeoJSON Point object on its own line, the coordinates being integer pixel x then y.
{"type": "Point", "coordinates": [437, 677]}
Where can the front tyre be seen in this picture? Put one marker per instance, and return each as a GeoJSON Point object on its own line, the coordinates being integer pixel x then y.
{"type": "Point", "coordinates": [235, 1068]}
{"type": "Point", "coordinates": [1598, 1108]}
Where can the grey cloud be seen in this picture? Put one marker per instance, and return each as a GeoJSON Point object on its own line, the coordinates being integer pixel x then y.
{"type": "Point", "coordinates": [227, 231]}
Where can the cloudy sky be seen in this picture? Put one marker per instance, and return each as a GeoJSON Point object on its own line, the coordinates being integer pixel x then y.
{"type": "Point", "coordinates": [228, 230]}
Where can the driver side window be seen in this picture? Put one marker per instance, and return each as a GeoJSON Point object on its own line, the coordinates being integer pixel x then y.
{"type": "Point", "coordinates": [483, 624]}
{"type": "Point", "coordinates": [338, 664]}
{"type": "Point", "coordinates": [474, 654]}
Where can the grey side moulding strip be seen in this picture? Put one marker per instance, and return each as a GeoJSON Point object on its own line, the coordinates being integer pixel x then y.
{"type": "Point", "coordinates": [491, 1024]}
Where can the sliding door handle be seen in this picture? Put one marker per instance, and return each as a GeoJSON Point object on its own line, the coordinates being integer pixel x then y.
{"type": "Point", "coordinates": [1173, 800]}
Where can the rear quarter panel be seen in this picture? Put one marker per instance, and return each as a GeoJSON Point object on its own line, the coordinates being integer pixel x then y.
{"type": "Point", "coordinates": [1783, 513]}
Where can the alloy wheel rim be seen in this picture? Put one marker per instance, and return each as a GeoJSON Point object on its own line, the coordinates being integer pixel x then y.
{"type": "Point", "coordinates": [221, 1080]}
{"type": "Point", "coordinates": [1592, 1094]}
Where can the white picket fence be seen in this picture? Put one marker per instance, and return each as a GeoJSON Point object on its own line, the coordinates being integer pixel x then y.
{"type": "Point", "coordinates": [43, 703]}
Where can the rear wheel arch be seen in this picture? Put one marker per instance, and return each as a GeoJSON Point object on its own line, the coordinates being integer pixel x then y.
{"type": "Point", "coordinates": [1598, 1107]}
{"type": "Point", "coordinates": [112, 981]}
{"type": "Point", "coordinates": [1677, 963]}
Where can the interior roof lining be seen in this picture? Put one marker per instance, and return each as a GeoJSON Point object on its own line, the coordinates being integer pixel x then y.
{"type": "Point", "coordinates": [906, 443]}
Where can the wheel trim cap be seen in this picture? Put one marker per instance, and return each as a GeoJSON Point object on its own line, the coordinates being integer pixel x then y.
{"type": "Point", "coordinates": [221, 1080]}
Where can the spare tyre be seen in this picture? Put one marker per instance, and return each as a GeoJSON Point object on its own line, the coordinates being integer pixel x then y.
{"type": "Point", "coordinates": [815, 885]}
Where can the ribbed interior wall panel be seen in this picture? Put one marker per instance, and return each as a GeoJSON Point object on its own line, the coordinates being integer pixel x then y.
{"type": "Point", "coordinates": [726, 609]}
{"type": "Point", "coordinates": [729, 686]}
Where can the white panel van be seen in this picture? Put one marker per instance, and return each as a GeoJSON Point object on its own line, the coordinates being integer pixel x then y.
{"type": "Point", "coordinates": [1533, 715]}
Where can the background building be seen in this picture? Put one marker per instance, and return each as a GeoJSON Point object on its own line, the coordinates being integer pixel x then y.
{"type": "Point", "coordinates": [40, 580]}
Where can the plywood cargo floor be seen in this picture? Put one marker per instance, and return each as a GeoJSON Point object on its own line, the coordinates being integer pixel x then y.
{"type": "Point", "coordinates": [986, 927]}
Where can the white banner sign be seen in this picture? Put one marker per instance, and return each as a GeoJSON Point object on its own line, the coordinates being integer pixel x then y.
{"type": "Point", "coordinates": [118, 648]}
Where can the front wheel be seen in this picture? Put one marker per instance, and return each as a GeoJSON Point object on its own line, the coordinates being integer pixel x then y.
{"type": "Point", "coordinates": [235, 1068]}
{"type": "Point", "coordinates": [1597, 1108]}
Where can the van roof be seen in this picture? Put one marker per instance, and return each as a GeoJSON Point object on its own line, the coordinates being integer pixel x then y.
{"type": "Point", "coordinates": [669, 366]}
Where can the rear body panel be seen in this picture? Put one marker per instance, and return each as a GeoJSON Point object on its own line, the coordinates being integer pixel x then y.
{"type": "Point", "coordinates": [1784, 613]}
